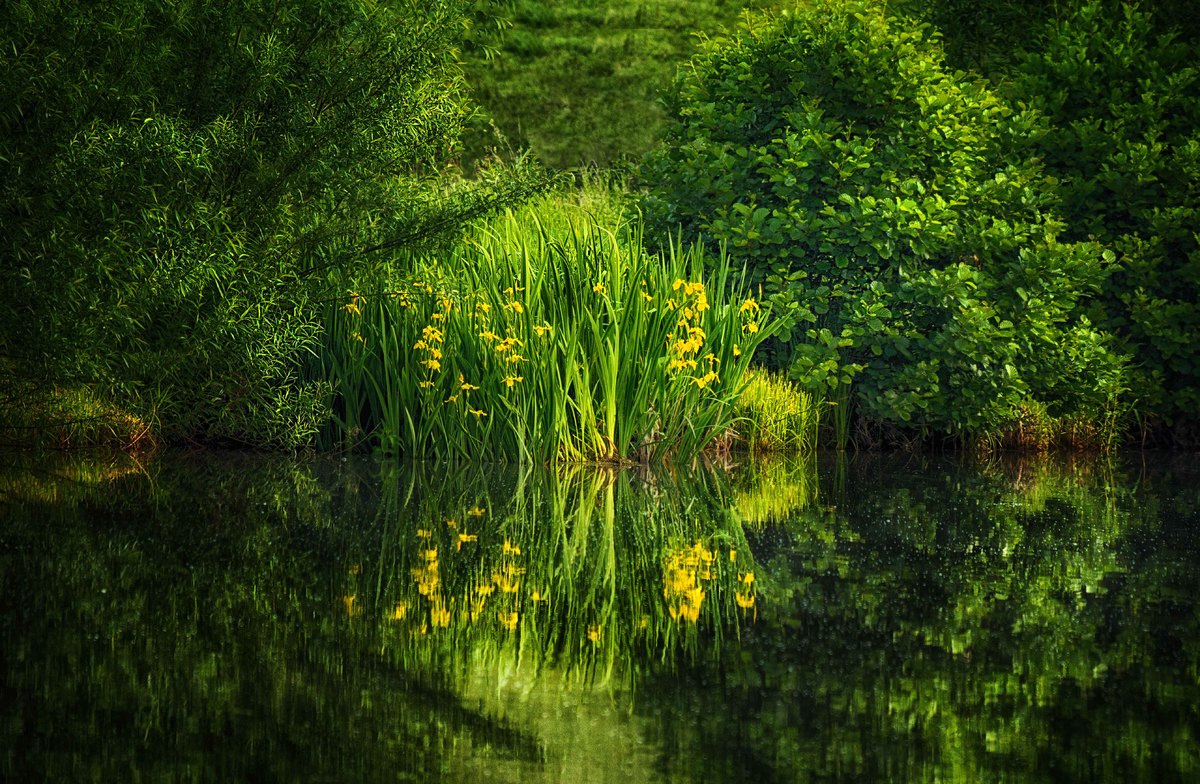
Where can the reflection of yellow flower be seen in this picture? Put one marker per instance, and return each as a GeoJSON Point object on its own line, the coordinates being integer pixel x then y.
{"type": "Point", "coordinates": [349, 602]}
{"type": "Point", "coordinates": [593, 633]}
{"type": "Point", "coordinates": [684, 570]}
{"type": "Point", "coordinates": [399, 612]}
{"type": "Point", "coordinates": [510, 548]}
{"type": "Point", "coordinates": [466, 538]}
{"type": "Point", "coordinates": [508, 620]}
{"type": "Point", "coordinates": [439, 615]}
{"type": "Point", "coordinates": [538, 596]}
{"type": "Point", "coordinates": [477, 511]}
{"type": "Point", "coordinates": [423, 533]}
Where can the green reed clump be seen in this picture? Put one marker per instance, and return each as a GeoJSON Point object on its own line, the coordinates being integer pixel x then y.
{"type": "Point", "coordinates": [540, 345]}
{"type": "Point", "coordinates": [776, 415]}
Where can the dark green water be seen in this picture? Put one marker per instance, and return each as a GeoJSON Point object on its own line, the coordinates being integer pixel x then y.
{"type": "Point", "coordinates": [213, 617]}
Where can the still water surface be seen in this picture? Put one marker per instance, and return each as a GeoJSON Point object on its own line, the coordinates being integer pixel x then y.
{"type": "Point", "coordinates": [216, 617]}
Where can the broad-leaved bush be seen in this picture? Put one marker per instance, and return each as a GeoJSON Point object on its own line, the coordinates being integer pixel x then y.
{"type": "Point", "coordinates": [896, 209]}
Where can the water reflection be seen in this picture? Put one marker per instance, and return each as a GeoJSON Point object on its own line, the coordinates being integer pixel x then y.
{"type": "Point", "coordinates": [204, 617]}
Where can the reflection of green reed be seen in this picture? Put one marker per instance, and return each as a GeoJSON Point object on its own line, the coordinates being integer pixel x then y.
{"type": "Point", "coordinates": [575, 569]}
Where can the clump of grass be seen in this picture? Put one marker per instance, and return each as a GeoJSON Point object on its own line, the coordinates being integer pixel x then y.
{"type": "Point", "coordinates": [776, 415]}
{"type": "Point", "coordinates": [1035, 429]}
{"type": "Point", "coordinates": [539, 344]}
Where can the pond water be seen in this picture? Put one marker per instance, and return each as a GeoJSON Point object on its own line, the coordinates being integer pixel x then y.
{"type": "Point", "coordinates": [232, 617]}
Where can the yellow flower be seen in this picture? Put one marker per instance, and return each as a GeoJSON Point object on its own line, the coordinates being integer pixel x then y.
{"type": "Point", "coordinates": [452, 399]}
{"type": "Point", "coordinates": [483, 306]}
{"type": "Point", "coordinates": [463, 385]}
{"type": "Point", "coordinates": [432, 364]}
{"type": "Point", "coordinates": [677, 284]}
{"type": "Point", "coordinates": [510, 380]}
{"type": "Point", "coordinates": [352, 308]}
{"type": "Point", "coordinates": [543, 330]}
{"type": "Point", "coordinates": [646, 296]}
{"type": "Point", "coordinates": [749, 306]}
{"type": "Point", "coordinates": [737, 350]}
{"type": "Point", "coordinates": [358, 337]}
{"type": "Point", "coordinates": [751, 327]}
{"type": "Point", "coordinates": [515, 306]}
{"type": "Point", "coordinates": [599, 288]}
{"type": "Point", "coordinates": [424, 384]}
{"type": "Point", "coordinates": [478, 412]}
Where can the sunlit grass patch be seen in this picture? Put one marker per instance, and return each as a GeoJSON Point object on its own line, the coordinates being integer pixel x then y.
{"type": "Point", "coordinates": [776, 415]}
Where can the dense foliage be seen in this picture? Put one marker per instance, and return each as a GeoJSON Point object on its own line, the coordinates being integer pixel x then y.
{"type": "Point", "coordinates": [898, 209]}
{"type": "Point", "coordinates": [1124, 142]}
{"type": "Point", "coordinates": [180, 182]}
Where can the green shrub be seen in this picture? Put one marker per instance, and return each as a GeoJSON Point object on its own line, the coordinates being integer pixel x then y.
{"type": "Point", "coordinates": [180, 183]}
{"type": "Point", "coordinates": [894, 210]}
{"type": "Point", "coordinates": [1124, 141]}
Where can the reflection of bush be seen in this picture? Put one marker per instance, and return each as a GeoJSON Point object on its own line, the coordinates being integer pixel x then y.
{"type": "Point", "coordinates": [952, 624]}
